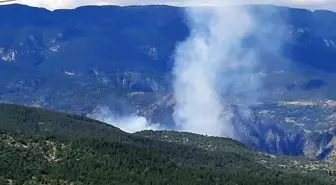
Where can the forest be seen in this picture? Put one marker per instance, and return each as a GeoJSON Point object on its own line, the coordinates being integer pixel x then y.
{"type": "Point", "coordinates": [39, 146]}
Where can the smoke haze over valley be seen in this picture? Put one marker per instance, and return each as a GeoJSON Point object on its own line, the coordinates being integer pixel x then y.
{"type": "Point", "coordinates": [128, 124]}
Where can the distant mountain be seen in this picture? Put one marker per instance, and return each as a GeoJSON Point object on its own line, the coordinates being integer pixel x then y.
{"type": "Point", "coordinates": [121, 57]}
{"type": "Point", "coordinates": [85, 56]}
{"type": "Point", "coordinates": [44, 147]}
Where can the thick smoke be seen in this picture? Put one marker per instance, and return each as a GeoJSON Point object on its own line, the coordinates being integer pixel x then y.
{"type": "Point", "coordinates": [213, 69]}
{"type": "Point", "coordinates": [216, 67]}
{"type": "Point", "coordinates": [128, 124]}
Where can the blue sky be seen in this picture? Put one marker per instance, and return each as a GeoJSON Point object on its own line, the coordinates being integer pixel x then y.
{"type": "Point", "coordinates": [56, 4]}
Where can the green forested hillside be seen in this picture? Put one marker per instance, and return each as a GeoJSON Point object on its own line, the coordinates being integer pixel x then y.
{"type": "Point", "coordinates": [43, 147]}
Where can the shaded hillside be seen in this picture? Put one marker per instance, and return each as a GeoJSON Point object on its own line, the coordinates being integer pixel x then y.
{"type": "Point", "coordinates": [20, 119]}
{"type": "Point", "coordinates": [51, 156]}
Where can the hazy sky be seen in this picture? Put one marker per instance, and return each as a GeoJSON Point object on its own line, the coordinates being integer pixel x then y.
{"type": "Point", "coordinates": [57, 4]}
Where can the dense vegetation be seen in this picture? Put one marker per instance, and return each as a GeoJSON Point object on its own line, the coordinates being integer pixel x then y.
{"type": "Point", "coordinates": [39, 147]}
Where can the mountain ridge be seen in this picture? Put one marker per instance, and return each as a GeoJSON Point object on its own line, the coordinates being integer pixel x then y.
{"type": "Point", "coordinates": [111, 156]}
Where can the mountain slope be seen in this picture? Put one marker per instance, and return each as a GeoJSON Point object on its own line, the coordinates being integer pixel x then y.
{"type": "Point", "coordinates": [58, 155]}
{"type": "Point", "coordinates": [92, 55]}
{"type": "Point", "coordinates": [226, 145]}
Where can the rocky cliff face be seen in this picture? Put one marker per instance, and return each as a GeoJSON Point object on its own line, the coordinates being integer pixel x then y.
{"type": "Point", "coordinates": [121, 57]}
{"type": "Point", "coordinates": [305, 128]}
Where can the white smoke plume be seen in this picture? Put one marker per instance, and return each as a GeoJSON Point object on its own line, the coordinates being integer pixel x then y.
{"type": "Point", "coordinates": [213, 69]}
{"type": "Point", "coordinates": [128, 124]}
